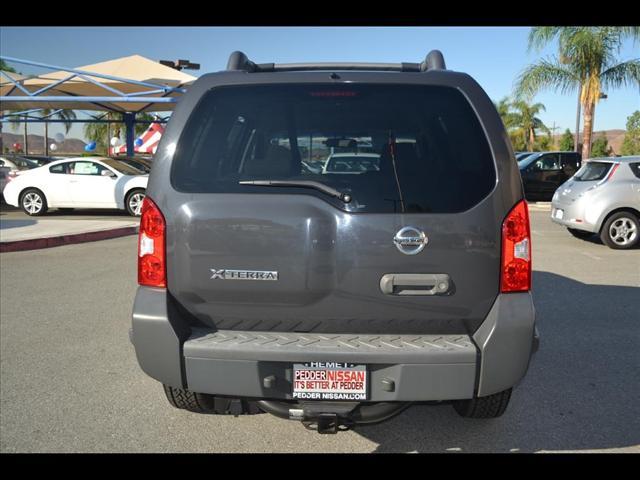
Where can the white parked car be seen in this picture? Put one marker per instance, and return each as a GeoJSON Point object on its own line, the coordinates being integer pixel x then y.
{"type": "Point", "coordinates": [78, 183]}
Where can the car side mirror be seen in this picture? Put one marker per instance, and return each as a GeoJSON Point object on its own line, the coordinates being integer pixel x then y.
{"type": "Point", "coordinates": [108, 173]}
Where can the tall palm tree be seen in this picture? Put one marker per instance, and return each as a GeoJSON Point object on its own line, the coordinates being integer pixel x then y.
{"type": "Point", "coordinates": [65, 115]}
{"type": "Point", "coordinates": [525, 118]}
{"type": "Point", "coordinates": [587, 60]}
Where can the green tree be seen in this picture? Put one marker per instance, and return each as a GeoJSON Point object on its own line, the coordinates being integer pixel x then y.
{"type": "Point", "coordinates": [526, 120]}
{"type": "Point", "coordinates": [631, 143]}
{"type": "Point", "coordinates": [587, 60]}
{"type": "Point", "coordinates": [101, 133]}
{"type": "Point", "coordinates": [566, 141]}
{"type": "Point", "coordinates": [65, 115]}
{"type": "Point", "coordinates": [5, 66]}
{"type": "Point", "coordinates": [521, 122]}
{"type": "Point", "coordinates": [543, 143]}
{"type": "Point", "coordinates": [504, 110]}
{"type": "Point", "coordinates": [600, 147]}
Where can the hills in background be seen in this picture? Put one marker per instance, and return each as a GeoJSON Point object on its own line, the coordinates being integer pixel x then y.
{"type": "Point", "coordinates": [614, 138]}
{"type": "Point", "coordinates": [35, 144]}
{"type": "Point", "coordinates": [75, 145]}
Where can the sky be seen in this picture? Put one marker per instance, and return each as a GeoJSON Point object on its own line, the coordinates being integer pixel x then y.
{"type": "Point", "coordinates": [494, 56]}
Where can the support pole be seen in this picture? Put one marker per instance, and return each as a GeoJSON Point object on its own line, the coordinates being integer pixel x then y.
{"type": "Point", "coordinates": [129, 123]}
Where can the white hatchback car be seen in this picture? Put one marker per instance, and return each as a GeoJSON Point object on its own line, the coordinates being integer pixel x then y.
{"type": "Point", "coordinates": [78, 183]}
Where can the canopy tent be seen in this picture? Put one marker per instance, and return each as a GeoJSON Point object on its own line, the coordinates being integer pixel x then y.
{"type": "Point", "coordinates": [135, 77]}
{"type": "Point", "coordinates": [126, 85]}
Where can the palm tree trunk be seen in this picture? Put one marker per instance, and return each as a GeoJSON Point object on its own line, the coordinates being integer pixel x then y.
{"type": "Point", "coordinates": [46, 139]}
{"type": "Point", "coordinates": [588, 130]}
{"type": "Point", "coordinates": [532, 139]}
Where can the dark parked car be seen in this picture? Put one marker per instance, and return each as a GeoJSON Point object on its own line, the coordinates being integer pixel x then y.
{"type": "Point", "coordinates": [335, 299]}
{"type": "Point", "coordinates": [543, 172]}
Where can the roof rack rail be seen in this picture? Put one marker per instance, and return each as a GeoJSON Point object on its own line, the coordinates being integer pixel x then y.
{"type": "Point", "coordinates": [239, 61]}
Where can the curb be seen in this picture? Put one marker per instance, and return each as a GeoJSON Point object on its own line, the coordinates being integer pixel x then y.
{"type": "Point", "coordinates": [38, 243]}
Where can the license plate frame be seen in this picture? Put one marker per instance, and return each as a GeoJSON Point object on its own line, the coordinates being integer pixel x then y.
{"type": "Point", "coordinates": [331, 381]}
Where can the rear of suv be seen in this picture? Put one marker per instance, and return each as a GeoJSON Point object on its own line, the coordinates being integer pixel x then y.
{"type": "Point", "coordinates": [335, 296]}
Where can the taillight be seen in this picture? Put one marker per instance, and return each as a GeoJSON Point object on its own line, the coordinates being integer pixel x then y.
{"type": "Point", "coordinates": [515, 273]}
{"type": "Point", "coordinates": [151, 246]}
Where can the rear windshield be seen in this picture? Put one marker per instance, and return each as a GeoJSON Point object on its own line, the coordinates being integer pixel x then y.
{"type": "Point", "coordinates": [392, 148]}
{"type": "Point", "coordinates": [592, 171]}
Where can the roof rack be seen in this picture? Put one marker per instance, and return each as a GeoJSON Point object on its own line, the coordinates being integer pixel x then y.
{"type": "Point", "coordinates": [239, 61]}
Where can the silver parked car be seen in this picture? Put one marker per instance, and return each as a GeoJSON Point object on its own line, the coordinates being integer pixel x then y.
{"type": "Point", "coordinates": [602, 197]}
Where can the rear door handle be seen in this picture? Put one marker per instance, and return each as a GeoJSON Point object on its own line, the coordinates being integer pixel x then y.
{"type": "Point", "coordinates": [415, 284]}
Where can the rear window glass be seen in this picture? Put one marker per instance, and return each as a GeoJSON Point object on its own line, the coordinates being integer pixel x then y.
{"type": "Point", "coordinates": [392, 148]}
{"type": "Point", "coordinates": [592, 171]}
{"type": "Point", "coordinates": [635, 168]}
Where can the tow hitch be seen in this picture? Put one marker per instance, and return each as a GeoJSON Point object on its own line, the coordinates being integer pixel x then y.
{"type": "Point", "coordinates": [332, 417]}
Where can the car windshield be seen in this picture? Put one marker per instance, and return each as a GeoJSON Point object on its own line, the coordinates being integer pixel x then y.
{"type": "Point", "coordinates": [121, 167]}
{"type": "Point", "coordinates": [414, 148]}
{"type": "Point", "coordinates": [592, 171]}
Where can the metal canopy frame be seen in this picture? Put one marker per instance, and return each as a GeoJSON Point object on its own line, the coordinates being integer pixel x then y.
{"type": "Point", "coordinates": [102, 101]}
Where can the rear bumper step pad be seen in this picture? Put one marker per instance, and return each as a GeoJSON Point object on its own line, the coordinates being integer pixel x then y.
{"type": "Point", "coordinates": [417, 367]}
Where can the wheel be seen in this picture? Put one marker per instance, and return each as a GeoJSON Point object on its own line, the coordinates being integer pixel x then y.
{"type": "Point", "coordinates": [133, 202]}
{"type": "Point", "coordinates": [579, 233]}
{"type": "Point", "coordinates": [621, 231]}
{"type": "Point", "coordinates": [205, 403]}
{"type": "Point", "coordinates": [491, 406]}
{"type": "Point", "coordinates": [33, 202]}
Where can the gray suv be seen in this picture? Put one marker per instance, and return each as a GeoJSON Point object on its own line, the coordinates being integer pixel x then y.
{"type": "Point", "coordinates": [335, 298]}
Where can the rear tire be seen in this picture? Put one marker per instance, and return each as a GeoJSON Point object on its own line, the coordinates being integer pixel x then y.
{"type": "Point", "coordinates": [491, 406]}
{"type": "Point", "coordinates": [133, 202]}
{"type": "Point", "coordinates": [33, 202]}
{"type": "Point", "coordinates": [621, 231]}
{"type": "Point", "coordinates": [581, 234]}
{"type": "Point", "coordinates": [205, 403]}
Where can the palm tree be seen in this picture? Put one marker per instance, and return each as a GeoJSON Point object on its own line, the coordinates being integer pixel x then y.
{"type": "Point", "coordinates": [101, 132]}
{"type": "Point", "coordinates": [525, 118]}
{"type": "Point", "coordinates": [65, 115]}
{"type": "Point", "coordinates": [587, 60]}
{"type": "Point", "coordinates": [504, 110]}
{"type": "Point", "coordinates": [521, 122]}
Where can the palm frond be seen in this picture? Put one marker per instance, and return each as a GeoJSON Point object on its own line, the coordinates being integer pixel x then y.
{"type": "Point", "coordinates": [546, 75]}
{"type": "Point", "coordinates": [539, 37]}
{"type": "Point", "coordinates": [622, 74]}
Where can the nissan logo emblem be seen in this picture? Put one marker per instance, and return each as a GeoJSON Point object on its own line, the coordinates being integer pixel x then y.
{"type": "Point", "coordinates": [410, 240]}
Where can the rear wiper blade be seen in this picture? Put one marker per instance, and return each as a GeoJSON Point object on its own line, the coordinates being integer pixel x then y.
{"type": "Point", "coordinates": [345, 197]}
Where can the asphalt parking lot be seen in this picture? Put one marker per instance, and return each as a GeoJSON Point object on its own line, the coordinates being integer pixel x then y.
{"type": "Point", "coordinates": [70, 381]}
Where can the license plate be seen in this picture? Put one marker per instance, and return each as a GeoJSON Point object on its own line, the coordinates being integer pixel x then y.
{"type": "Point", "coordinates": [559, 214]}
{"type": "Point", "coordinates": [330, 381]}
